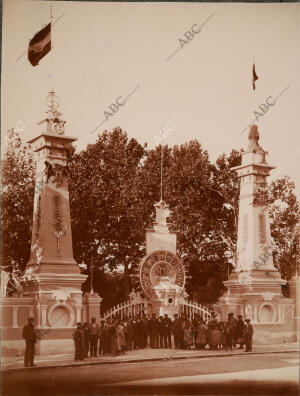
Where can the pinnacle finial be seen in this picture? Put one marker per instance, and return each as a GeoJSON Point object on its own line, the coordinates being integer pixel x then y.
{"type": "Point", "coordinates": [253, 134]}
{"type": "Point", "coordinates": [253, 137]}
{"type": "Point", "coordinates": [55, 125]}
{"type": "Point", "coordinates": [53, 105]}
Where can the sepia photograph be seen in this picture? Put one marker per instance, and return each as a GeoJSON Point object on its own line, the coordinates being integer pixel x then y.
{"type": "Point", "coordinates": [150, 184]}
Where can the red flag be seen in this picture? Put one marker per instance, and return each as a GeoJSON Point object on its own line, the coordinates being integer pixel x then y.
{"type": "Point", "coordinates": [254, 76]}
{"type": "Point", "coordinates": [39, 45]}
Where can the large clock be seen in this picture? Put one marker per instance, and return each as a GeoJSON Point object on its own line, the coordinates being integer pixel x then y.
{"type": "Point", "coordinates": [161, 266]}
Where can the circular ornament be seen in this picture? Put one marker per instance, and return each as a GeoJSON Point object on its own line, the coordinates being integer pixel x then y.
{"type": "Point", "coordinates": [161, 268]}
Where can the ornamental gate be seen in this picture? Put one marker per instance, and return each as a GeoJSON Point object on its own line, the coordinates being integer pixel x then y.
{"type": "Point", "coordinates": [138, 305]}
{"type": "Point", "coordinates": [190, 308]}
{"type": "Point", "coordinates": [160, 276]}
{"type": "Point", "coordinates": [126, 309]}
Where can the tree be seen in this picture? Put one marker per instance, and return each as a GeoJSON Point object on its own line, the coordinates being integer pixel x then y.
{"type": "Point", "coordinates": [191, 187]}
{"type": "Point", "coordinates": [114, 185]}
{"type": "Point", "coordinates": [227, 186]}
{"type": "Point", "coordinates": [107, 220]}
{"type": "Point", "coordinates": [284, 218]}
{"type": "Point", "coordinates": [17, 203]}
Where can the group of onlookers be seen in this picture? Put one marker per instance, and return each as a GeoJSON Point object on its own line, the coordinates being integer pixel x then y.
{"type": "Point", "coordinates": [115, 336]}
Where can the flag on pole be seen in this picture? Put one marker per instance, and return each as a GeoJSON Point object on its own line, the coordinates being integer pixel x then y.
{"type": "Point", "coordinates": [254, 76]}
{"type": "Point", "coordinates": [39, 45]}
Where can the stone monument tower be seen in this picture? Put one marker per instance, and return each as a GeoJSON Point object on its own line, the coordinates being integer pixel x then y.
{"type": "Point", "coordinates": [56, 288]}
{"type": "Point", "coordinates": [254, 288]}
{"type": "Point", "coordinates": [161, 273]}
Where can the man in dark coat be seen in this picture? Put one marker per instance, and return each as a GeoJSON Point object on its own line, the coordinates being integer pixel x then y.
{"type": "Point", "coordinates": [86, 339]}
{"type": "Point", "coordinates": [94, 333]}
{"type": "Point", "coordinates": [104, 347]}
{"type": "Point", "coordinates": [248, 335]}
{"type": "Point", "coordinates": [153, 332]}
{"type": "Point", "coordinates": [144, 332]}
{"type": "Point", "coordinates": [195, 322]}
{"type": "Point", "coordinates": [138, 332]}
{"type": "Point", "coordinates": [211, 324]}
{"type": "Point", "coordinates": [239, 329]}
{"type": "Point", "coordinates": [178, 332]}
{"type": "Point", "coordinates": [78, 338]}
{"type": "Point", "coordinates": [129, 335]}
{"type": "Point", "coordinates": [156, 332]}
{"type": "Point", "coordinates": [29, 336]}
{"type": "Point", "coordinates": [230, 331]}
{"type": "Point", "coordinates": [233, 325]}
{"type": "Point", "coordinates": [101, 344]}
{"type": "Point", "coordinates": [167, 331]}
{"type": "Point", "coordinates": [161, 331]}
{"type": "Point", "coordinates": [135, 333]}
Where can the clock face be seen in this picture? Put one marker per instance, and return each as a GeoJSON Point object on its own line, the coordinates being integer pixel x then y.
{"type": "Point", "coordinates": [161, 268]}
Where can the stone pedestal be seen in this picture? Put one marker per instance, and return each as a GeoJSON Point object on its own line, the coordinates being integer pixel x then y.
{"type": "Point", "coordinates": [294, 285]}
{"type": "Point", "coordinates": [91, 303]}
{"type": "Point", "coordinates": [259, 297]}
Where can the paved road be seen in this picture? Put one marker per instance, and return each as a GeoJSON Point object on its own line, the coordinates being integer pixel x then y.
{"type": "Point", "coordinates": [275, 374]}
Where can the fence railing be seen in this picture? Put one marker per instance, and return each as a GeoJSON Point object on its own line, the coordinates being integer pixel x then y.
{"type": "Point", "coordinates": [126, 309]}
{"type": "Point", "coordinates": [131, 308]}
{"type": "Point", "coordinates": [190, 308]}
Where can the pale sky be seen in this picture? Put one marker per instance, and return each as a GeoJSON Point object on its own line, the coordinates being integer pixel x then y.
{"type": "Point", "coordinates": [103, 51]}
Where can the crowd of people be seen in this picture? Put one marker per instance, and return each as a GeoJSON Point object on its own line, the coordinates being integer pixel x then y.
{"type": "Point", "coordinates": [116, 336]}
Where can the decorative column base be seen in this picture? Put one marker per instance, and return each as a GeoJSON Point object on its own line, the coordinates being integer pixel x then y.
{"type": "Point", "coordinates": [294, 285]}
{"type": "Point", "coordinates": [259, 298]}
{"type": "Point", "coordinates": [92, 303]}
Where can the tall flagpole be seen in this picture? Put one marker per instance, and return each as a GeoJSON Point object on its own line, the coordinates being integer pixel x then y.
{"type": "Point", "coordinates": [161, 173]}
{"type": "Point", "coordinates": [92, 271]}
{"type": "Point", "coordinates": [51, 19]}
{"type": "Point", "coordinates": [51, 55]}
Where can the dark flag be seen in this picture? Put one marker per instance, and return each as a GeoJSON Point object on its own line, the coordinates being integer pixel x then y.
{"type": "Point", "coordinates": [39, 45]}
{"type": "Point", "coordinates": [254, 76]}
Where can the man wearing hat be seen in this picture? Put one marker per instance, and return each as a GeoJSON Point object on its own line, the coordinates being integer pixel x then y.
{"type": "Point", "coordinates": [240, 331]}
{"type": "Point", "coordinates": [178, 332]}
{"type": "Point", "coordinates": [161, 331]}
{"type": "Point", "coordinates": [153, 331]}
{"type": "Point", "coordinates": [233, 323]}
{"type": "Point", "coordinates": [29, 336]}
{"type": "Point", "coordinates": [86, 338]}
{"type": "Point", "coordinates": [167, 331]}
{"type": "Point", "coordinates": [94, 334]}
{"type": "Point", "coordinates": [248, 334]}
{"type": "Point", "coordinates": [78, 337]}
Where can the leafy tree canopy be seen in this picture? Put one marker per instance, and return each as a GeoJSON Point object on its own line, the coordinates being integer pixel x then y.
{"type": "Point", "coordinates": [114, 184]}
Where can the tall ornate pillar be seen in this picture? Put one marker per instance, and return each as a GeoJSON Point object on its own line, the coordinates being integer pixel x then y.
{"type": "Point", "coordinates": [255, 283]}
{"type": "Point", "coordinates": [294, 285]}
{"type": "Point", "coordinates": [161, 272]}
{"type": "Point", "coordinates": [57, 278]}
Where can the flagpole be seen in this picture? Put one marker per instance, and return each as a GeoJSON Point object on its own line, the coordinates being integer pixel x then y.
{"type": "Point", "coordinates": [51, 56]}
{"type": "Point", "coordinates": [92, 271]}
{"type": "Point", "coordinates": [51, 18]}
{"type": "Point", "coordinates": [161, 173]}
